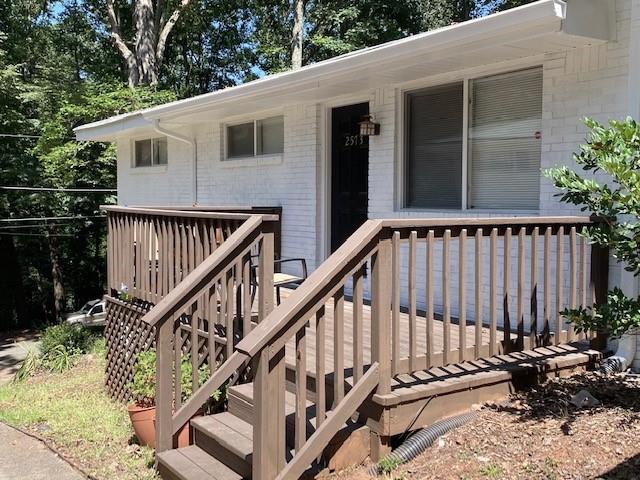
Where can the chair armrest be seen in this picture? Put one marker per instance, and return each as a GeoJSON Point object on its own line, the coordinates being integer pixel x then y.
{"type": "Point", "coordinates": [302, 261]}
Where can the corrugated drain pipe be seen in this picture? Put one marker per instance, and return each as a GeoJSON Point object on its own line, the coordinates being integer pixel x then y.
{"type": "Point", "coordinates": [423, 439]}
{"type": "Point", "coordinates": [194, 150]}
{"type": "Point", "coordinates": [623, 357]}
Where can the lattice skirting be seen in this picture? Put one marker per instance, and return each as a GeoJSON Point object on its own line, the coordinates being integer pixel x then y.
{"type": "Point", "coordinates": [126, 336]}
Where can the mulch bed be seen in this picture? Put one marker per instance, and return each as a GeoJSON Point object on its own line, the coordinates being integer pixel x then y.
{"type": "Point", "coordinates": [539, 434]}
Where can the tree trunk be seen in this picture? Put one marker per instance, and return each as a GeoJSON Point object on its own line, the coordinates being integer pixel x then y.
{"type": "Point", "coordinates": [296, 37]}
{"type": "Point", "coordinates": [145, 42]}
{"type": "Point", "coordinates": [13, 303]}
{"type": "Point", "coordinates": [56, 276]}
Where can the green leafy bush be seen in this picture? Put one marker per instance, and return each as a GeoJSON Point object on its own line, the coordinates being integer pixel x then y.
{"type": "Point", "coordinates": [615, 151]}
{"type": "Point", "coordinates": [143, 386]}
{"type": "Point", "coordinates": [74, 338]}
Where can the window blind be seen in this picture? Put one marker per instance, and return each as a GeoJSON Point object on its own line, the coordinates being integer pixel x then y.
{"type": "Point", "coordinates": [504, 140]}
{"type": "Point", "coordinates": [434, 147]}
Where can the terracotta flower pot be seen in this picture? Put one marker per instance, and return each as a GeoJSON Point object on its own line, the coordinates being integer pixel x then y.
{"type": "Point", "coordinates": [143, 420]}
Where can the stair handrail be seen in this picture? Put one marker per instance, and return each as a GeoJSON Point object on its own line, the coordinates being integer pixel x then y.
{"type": "Point", "coordinates": [255, 228]}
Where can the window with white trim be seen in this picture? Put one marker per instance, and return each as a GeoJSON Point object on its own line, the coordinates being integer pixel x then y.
{"type": "Point", "coordinates": [503, 144]}
{"type": "Point", "coordinates": [255, 138]}
{"type": "Point", "coordinates": [150, 152]}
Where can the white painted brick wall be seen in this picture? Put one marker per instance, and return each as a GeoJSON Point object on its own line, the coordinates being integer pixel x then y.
{"type": "Point", "coordinates": [590, 81]}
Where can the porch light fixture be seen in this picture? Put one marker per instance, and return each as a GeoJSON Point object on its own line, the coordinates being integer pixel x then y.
{"type": "Point", "coordinates": [368, 127]}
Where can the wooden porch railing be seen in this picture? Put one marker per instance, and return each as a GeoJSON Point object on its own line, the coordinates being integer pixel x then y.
{"type": "Point", "coordinates": [150, 249]}
{"type": "Point", "coordinates": [380, 262]}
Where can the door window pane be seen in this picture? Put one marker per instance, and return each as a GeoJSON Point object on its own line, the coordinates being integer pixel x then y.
{"type": "Point", "coordinates": [270, 136]}
{"type": "Point", "coordinates": [434, 147]}
{"type": "Point", "coordinates": [240, 140]}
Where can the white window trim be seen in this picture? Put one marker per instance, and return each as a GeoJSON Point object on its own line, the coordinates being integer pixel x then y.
{"type": "Point", "coordinates": [157, 167]}
{"type": "Point", "coordinates": [401, 118]}
{"type": "Point", "coordinates": [248, 160]}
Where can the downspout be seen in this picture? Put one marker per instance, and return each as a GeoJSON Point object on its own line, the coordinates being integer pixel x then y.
{"type": "Point", "coordinates": [623, 358]}
{"type": "Point", "coordinates": [194, 151]}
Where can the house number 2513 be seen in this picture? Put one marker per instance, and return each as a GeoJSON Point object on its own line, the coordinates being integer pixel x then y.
{"type": "Point", "coordinates": [353, 140]}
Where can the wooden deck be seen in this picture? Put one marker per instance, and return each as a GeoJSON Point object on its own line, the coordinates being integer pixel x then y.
{"type": "Point", "coordinates": [348, 343]}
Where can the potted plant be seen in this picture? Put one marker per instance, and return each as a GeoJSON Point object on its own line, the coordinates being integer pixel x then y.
{"type": "Point", "coordinates": [143, 411]}
{"type": "Point", "coordinates": [143, 388]}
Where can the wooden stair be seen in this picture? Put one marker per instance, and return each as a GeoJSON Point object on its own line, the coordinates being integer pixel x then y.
{"type": "Point", "coordinates": [223, 443]}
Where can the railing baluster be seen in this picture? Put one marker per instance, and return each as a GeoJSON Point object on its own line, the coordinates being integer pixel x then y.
{"type": "Point", "coordinates": [338, 347]}
{"type": "Point", "coordinates": [395, 303]}
{"type": "Point", "coordinates": [413, 350]}
{"type": "Point", "coordinates": [572, 279]}
{"type": "Point", "coordinates": [265, 275]}
{"type": "Point", "coordinates": [177, 362]}
{"type": "Point", "coordinates": [301, 389]}
{"type": "Point", "coordinates": [546, 330]}
{"type": "Point", "coordinates": [533, 320]}
{"type": "Point", "coordinates": [520, 287]}
{"type": "Point", "coordinates": [583, 277]}
{"type": "Point", "coordinates": [358, 327]}
{"type": "Point", "coordinates": [462, 298]}
{"type": "Point", "coordinates": [493, 292]}
{"type": "Point", "coordinates": [506, 286]}
{"type": "Point", "coordinates": [478, 294]}
{"type": "Point", "coordinates": [446, 307]}
{"type": "Point", "coordinates": [246, 295]}
{"type": "Point", "coordinates": [559, 336]}
{"type": "Point", "coordinates": [229, 311]}
{"type": "Point", "coordinates": [320, 367]}
{"type": "Point", "coordinates": [429, 291]}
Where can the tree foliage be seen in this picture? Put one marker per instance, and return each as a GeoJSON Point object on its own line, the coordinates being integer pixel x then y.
{"type": "Point", "coordinates": [612, 151]}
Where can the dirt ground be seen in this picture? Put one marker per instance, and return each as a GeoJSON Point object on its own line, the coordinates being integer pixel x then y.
{"type": "Point", "coordinates": [539, 434]}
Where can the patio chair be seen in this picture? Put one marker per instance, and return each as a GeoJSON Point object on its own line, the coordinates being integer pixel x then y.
{"type": "Point", "coordinates": [280, 279]}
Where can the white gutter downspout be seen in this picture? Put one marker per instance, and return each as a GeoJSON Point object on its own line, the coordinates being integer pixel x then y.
{"type": "Point", "coordinates": [194, 150]}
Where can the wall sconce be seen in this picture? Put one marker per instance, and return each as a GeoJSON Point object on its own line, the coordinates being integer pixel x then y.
{"type": "Point", "coordinates": [368, 127]}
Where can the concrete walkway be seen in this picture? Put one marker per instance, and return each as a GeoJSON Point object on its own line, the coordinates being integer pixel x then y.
{"type": "Point", "coordinates": [13, 350]}
{"type": "Point", "coordinates": [22, 457]}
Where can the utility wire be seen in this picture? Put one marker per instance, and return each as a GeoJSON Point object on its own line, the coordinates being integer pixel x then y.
{"type": "Point", "coordinates": [24, 135]}
{"type": "Point", "coordinates": [39, 225]}
{"type": "Point", "coordinates": [38, 219]}
{"type": "Point", "coordinates": [46, 189]}
{"type": "Point", "coordinates": [15, 234]}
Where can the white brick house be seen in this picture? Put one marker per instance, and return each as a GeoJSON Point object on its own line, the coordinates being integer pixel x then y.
{"type": "Point", "coordinates": [540, 69]}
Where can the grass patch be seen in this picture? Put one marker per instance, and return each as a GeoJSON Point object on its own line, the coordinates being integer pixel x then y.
{"type": "Point", "coordinates": [73, 411]}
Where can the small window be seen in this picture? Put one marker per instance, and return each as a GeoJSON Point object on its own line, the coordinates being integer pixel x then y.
{"type": "Point", "coordinates": [260, 137]}
{"type": "Point", "coordinates": [240, 140]}
{"type": "Point", "coordinates": [150, 152]}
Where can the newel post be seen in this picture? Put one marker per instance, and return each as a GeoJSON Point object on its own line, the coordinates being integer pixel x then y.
{"type": "Point", "coordinates": [599, 283]}
{"type": "Point", "coordinates": [164, 387]}
{"type": "Point", "coordinates": [265, 272]}
{"type": "Point", "coordinates": [381, 312]}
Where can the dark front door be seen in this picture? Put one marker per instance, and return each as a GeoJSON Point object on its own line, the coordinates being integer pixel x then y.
{"type": "Point", "coordinates": [349, 172]}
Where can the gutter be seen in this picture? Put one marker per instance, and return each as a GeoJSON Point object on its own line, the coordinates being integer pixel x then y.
{"type": "Point", "coordinates": [194, 155]}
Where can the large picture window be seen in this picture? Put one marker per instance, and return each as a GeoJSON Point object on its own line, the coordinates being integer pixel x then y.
{"type": "Point", "coordinates": [502, 167]}
{"type": "Point", "coordinates": [259, 137]}
{"type": "Point", "coordinates": [150, 152]}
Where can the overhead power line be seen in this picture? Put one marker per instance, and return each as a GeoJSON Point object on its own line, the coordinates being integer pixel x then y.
{"type": "Point", "coordinates": [75, 190]}
{"type": "Point", "coordinates": [24, 135]}
{"type": "Point", "coordinates": [16, 234]}
{"type": "Point", "coordinates": [37, 225]}
{"type": "Point", "coordinates": [40, 219]}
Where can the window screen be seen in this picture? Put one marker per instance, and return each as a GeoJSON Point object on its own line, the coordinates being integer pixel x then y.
{"type": "Point", "coordinates": [504, 140]}
{"type": "Point", "coordinates": [434, 147]}
{"type": "Point", "coordinates": [143, 154]}
{"type": "Point", "coordinates": [240, 140]}
{"type": "Point", "coordinates": [270, 135]}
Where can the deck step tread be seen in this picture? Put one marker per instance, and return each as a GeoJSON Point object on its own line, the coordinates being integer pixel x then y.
{"type": "Point", "coordinates": [193, 463]}
{"type": "Point", "coordinates": [230, 431]}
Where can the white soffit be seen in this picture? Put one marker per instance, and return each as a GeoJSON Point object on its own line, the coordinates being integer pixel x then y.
{"type": "Point", "coordinates": [542, 27]}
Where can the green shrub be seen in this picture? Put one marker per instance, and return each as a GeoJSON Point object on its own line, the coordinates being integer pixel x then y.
{"type": "Point", "coordinates": [60, 359]}
{"type": "Point", "coordinates": [74, 338]}
{"type": "Point", "coordinates": [613, 150]}
{"type": "Point", "coordinates": [30, 365]}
